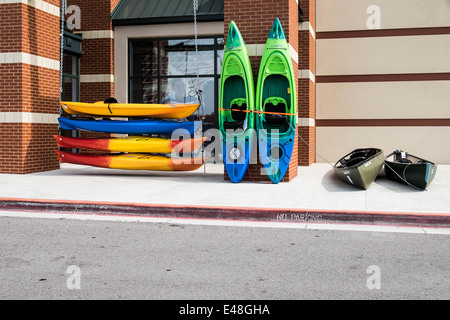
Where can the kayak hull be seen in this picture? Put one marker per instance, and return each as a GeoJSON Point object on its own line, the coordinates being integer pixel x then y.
{"type": "Point", "coordinates": [276, 105]}
{"type": "Point", "coordinates": [236, 103]}
{"type": "Point", "coordinates": [360, 167]}
{"type": "Point", "coordinates": [157, 111]}
{"type": "Point", "coordinates": [132, 161]}
{"type": "Point", "coordinates": [130, 126]}
{"type": "Point", "coordinates": [409, 169]}
{"type": "Point", "coordinates": [237, 155]}
{"type": "Point", "coordinates": [131, 144]}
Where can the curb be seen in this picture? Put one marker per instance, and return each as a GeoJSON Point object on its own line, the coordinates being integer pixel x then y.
{"type": "Point", "coordinates": [229, 213]}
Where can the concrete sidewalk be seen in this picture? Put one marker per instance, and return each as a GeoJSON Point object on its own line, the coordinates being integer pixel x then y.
{"type": "Point", "coordinates": [315, 195]}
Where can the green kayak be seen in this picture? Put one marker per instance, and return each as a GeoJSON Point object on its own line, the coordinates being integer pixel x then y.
{"type": "Point", "coordinates": [236, 105]}
{"type": "Point", "coordinates": [276, 105]}
{"type": "Point", "coordinates": [360, 167]}
{"type": "Point", "coordinates": [414, 171]}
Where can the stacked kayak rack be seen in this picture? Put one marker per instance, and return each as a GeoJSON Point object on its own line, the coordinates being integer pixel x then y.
{"type": "Point", "coordinates": [138, 150]}
{"type": "Point", "coordinates": [248, 117]}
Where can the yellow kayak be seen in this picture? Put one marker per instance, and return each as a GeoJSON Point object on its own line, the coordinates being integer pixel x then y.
{"type": "Point", "coordinates": [158, 111]}
{"type": "Point", "coordinates": [131, 144]}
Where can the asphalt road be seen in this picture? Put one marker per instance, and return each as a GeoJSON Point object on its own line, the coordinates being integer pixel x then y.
{"type": "Point", "coordinates": [71, 259]}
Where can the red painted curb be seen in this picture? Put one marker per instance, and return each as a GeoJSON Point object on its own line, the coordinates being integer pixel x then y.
{"type": "Point", "coordinates": [230, 213]}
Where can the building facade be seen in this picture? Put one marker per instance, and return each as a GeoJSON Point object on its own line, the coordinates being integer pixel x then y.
{"type": "Point", "coordinates": [383, 76]}
{"type": "Point", "coordinates": [370, 73]}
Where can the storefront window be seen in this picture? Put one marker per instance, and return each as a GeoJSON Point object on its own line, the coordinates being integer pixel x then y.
{"type": "Point", "coordinates": [178, 57]}
{"type": "Point", "coordinates": [167, 71]}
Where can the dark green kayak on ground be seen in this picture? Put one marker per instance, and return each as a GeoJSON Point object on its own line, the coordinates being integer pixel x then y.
{"type": "Point", "coordinates": [414, 171]}
{"type": "Point", "coordinates": [360, 167]}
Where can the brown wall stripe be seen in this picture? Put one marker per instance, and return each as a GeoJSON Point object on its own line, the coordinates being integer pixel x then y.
{"type": "Point", "coordinates": [382, 33]}
{"type": "Point", "coordinates": [382, 122]}
{"type": "Point", "coordinates": [383, 77]}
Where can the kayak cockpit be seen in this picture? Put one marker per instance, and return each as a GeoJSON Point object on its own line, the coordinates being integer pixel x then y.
{"type": "Point", "coordinates": [406, 158]}
{"type": "Point", "coordinates": [357, 157]}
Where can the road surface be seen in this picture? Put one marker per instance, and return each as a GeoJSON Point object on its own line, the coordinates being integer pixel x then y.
{"type": "Point", "coordinates": [62, 258]}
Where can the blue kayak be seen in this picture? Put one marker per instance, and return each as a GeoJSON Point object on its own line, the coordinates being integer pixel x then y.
{"type": "Point", "coordinates": [128, 126]}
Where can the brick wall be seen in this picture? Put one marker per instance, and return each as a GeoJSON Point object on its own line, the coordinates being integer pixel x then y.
{"type": "Point", "coordinates": [10, 87]}
{"type": "Point", "coordinates": [95, 15]}
{"type": "Point", "coordinates": [306, 86]}
{"type": "Point", "coordinates": [98, 55]}
{"type": "Point", "coordinates": [40, 89]}
{"type": "Point", "coordinates": [29, 87]}
{"type": "Point", "coordinates": [96, 91]}
{"type": "Point", "coordinates": [98, 52]}
{"type": "Point", "coordinates": [10, 26]}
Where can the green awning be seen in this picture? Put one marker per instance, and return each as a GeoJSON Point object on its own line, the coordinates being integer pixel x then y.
{"type": "Point", "coordinates": [135, 12]}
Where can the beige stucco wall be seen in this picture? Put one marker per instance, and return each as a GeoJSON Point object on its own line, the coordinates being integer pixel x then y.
{"type": "Point", "coordinates": [426, 142]}
{"type": "Point", "coordinates": [383, 55]}
{"type": "Point", "coordinates": [395, 53]}
{"type": "Point", "coordinates": [383, 100]}
{"type": "Point", "coordinates": [339, 15]}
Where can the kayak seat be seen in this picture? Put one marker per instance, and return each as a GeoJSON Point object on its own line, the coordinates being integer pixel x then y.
{"type": "Point", "coordinates": [275, 117]}
{"type": "Point", "coordinates": [354, 161]}
{"type": "Point", "coordinates": [110, 100]}
{"type": "Point", "coordinates": [359, 154]}
{"type": "Point", "coordinates": [237, 110]}
{"type": "Point", "coordinates": [238, 116]}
